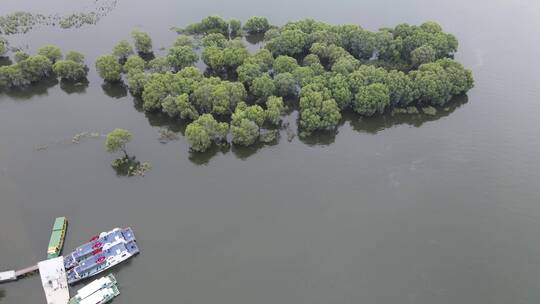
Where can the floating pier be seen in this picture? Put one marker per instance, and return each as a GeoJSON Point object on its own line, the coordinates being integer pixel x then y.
{"type": "Point", "coordinates": [54, 280]}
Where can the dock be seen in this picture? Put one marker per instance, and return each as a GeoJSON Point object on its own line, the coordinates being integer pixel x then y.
{"type": "Point", "coordinates": [13, 275]}
{"type": "Point", "coordinates": [54, 280]}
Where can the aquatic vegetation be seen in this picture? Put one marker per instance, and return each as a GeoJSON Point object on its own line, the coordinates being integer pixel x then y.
{"type": "Point", "coordinates": [23, 22]}
{"type": "Point", "coordinates": [108, 68]}
{"type": "Point", "coordinates": [257, 25]}
{"type": "Point", "coordinates": [143, 42]}
{"type": "Point", "coordinates": [325, 69]}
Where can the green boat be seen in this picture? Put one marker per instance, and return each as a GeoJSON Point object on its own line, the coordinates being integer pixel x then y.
{"type": "Point", "coordinates": [57, 237]}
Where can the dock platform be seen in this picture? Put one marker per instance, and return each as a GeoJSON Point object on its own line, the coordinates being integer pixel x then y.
{"type": "Point", "coordinates": [9, 275]}
{"type": "Point", "coordinates": [54, 280]}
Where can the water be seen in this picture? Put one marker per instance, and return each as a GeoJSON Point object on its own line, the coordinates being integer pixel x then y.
{"type": "Point", "coordinates": [427, 210]}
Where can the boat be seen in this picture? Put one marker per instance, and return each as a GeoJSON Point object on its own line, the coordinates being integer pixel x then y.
{"type": "Point", "coordinates": [57, 237]}
{"type": "Point", "coordinates": [102, 259]}
{"type": "Point", "coordinates": [84, 295]}
{"type": "Point", "coordinates": [96, 245]}
{"type": "Point", "coordinates": [101, 296]}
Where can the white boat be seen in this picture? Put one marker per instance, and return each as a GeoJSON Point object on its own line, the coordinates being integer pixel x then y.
{"type": "Point", "coordinates": [98, 292]}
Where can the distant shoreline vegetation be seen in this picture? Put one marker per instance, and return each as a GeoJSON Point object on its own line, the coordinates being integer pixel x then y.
{"type": "Point", "coordinates": [319, 68]}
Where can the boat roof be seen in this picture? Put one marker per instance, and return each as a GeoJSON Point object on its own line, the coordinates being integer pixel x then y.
{"type": "Point", "coordinates": [56, 239]}
{"type": "Point", "coordinates": [113, 235]}
{"type": "Point", "coordinates": [100, 295]}
{"type": "Point", "coordinates": [59, 223]}
{"type": "Point", "coordinates": [95, 286]}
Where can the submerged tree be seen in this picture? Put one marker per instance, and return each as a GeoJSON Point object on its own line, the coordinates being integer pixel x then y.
{"type": "Point", "coordinates": [108, 68]}
{"type": "Point", "coordinates": [117, 140]}
{"type": "Point", "coordinates": [256, 25]}
{"type": "Point", "coordinates": [143, 42]}
{"type": "Point", "coordinates": [122, 50]}
{"type": "Point", "coordinates": [70, 70]}
{"type": "Point", "coordinates": [3, 46]}
{"type": "Point", "coordinates": [180, 57]}
{"type": "Point", "coordinates": [52, 52]}
{"type": "Point", "coordinates": [202, 132]}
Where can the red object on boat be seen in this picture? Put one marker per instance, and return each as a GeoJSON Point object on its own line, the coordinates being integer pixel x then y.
{"type": "Point", "coordinates": [97, 245]}
{"type": "Point", "coordinates": [97, 251]}
{"type": "Point", "coordinates": [101, 259]}
{"type": "Point", "coordinates": [95, 237]}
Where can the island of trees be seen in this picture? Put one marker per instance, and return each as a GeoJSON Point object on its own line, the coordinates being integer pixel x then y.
{"type": "Point", "coordinates": [320, 68]}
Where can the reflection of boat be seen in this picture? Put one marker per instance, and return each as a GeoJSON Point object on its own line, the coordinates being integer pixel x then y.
{"type": "Point", "coordinates": [57, 237]}
{"type": "Point", "coordinates": [99, 291]}
{"type": "Point", "coordinates": [96, 244]}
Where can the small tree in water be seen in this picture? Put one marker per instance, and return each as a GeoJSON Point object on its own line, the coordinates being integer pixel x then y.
{"type": "Point", "coordinates": [117, 140]}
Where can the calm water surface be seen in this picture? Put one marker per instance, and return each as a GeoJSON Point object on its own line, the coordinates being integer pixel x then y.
{"type": "Point", "coordinates": [390, 210]}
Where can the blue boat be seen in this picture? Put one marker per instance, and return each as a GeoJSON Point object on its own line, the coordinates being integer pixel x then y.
{"type": "Point", "coordinates": [96, 245]}
{"type": "Point", "coordinates": [114, 254]}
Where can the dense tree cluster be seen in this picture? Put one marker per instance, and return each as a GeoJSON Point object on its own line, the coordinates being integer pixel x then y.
{"type": "Point", "coordinates": [327, 68]}
{"type": "Point", "coordinates": [30, 69]}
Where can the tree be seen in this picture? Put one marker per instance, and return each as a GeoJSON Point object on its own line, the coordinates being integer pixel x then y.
{"type": "Point", "coordinates": [423, 54]}
{"type": "Point", "coordinates": [245, 132]}
{"type": "Point", "coordinates": [180, 106]}
{"type": "Point", "coordinates": [247, 72]}
{"type": "Point", "coordinates": [214, 39]}
{"type": "Point", "coordinates": [431, 84]}
{"type": "Point", "coordinates": [318, 113]}
{"type": "Point", "coordinates": [20, 56]}
{"type": "Point", "coordinates": [184, 40]}
{"type": "Point", "coordinates": [254, 113]}
{"type": "Point", "coordinates": [108, 68]}
{"type": "Point", "coordinates": [263, 87]}
{"type": "Point", "coordinates": [235, 27]}
{"type": "Point", "coordinates": [263, 58]}
{"type": "Point", "coordinates": [136, 82]}
{"type": "Point", "coordinates": [180, 57]}
{"type": "Point", "coordinates": [3, 46]}
{"type": "Point", "coordinates": [50, 51]}
{"type": "Point", "coordinates": [311, 59]}
{"type": "Point", "coordinates": [134, 63]}
{"type": "Point", "coordinates": [274, 108]}
{"type": "Point", "coordinates": [256, 25]}
{"type": "Point", "coordinates": [159, 65]}
{"type": "Point", "coordinates": [228, 58]}
{"type": "Point", "coordinates": [70, 70]}
{"type": "Point", "coordinates": [284, 64]}
{"type": "Point", "coordinates": [371, 99]}
{"type": "Point", "coordinates": [340, 90]}
{"type": "Point", "coordinates": [122, 50]}
{"type": "Point", "coordinates": [12, 76]}
{"type": "Point", "coordinates": [75, 56]}
{"type": "Point", "coordinates": [345, 65]}
{"type": "Point", "coordinates": [289, 42]}
{"type": "Point", "coordinates": [286, 85]}
{"type": "Point", "coordinates": [159, 86]}
{"type": "Point", "coordinates": [117, 140]}
{"type": "Point", "coordinates": [143, 42]}
{"type": "Point", "coordinates": [460, 78]}
{"type": "Point", "coordinates": [202, 132]}
{"type": "Point", "coordinates": [400, 88]}
{"type": "Point", "coordinates": [35, 68]}
{"type": "Point", "coordinates": [209, 25]}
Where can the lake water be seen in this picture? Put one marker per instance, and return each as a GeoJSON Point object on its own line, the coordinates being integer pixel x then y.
{"type": "Point", "coordinates": [441, 209]}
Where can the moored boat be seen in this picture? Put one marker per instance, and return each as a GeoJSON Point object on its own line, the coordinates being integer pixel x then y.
{"type": "Point", "coordinates": [58, 234]}
{"type": "Point", "coordinates": [84, 295]}
{"type": "Point", "coordinates": [96, 244]}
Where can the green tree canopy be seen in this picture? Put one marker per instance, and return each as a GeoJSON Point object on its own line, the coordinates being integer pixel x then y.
{"type": "Point", "coordinates": [284, 64]}
{"type": "Point", "coordinates": [117, 140]}
{"type": "Point", "coordinates": [256, 25]}
{"type": "Point", "coordinates": [180, 57]}
{"type": "Point", "coordinates": [70, 70]}
{"type": "Point", "coordinates": [143, 42]}
{"type": "Point", "coordinates": [122, 50]}
{"type": "Point", "coordinates": [371, 99]}
{"type": "Point", "coordinates": [52, 52]}
{"type": "Point", "coordinates": [202, 132]}
{"type": "Point", "coordinates": [108, 68]}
